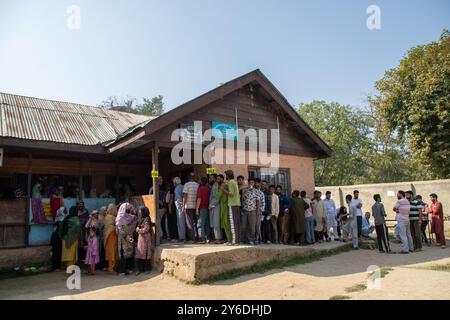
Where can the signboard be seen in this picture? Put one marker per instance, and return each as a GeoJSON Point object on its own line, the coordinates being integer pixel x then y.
{"type": "Point", "coordinates": [195, 133]}
{"type": "Point", "coordinates": [391, 193]}
{"type": "Point", "coordinates": [1, 157]}
{"type": "Point", "coordinates": [155, 174]}
{"type": "Point", "coordinates": [211, 171]}
{"type": "Point", "coordinates": [226, 131]}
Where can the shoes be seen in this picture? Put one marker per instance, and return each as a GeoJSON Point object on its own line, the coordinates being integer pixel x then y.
{"type": "Point", "coordinates": [138, 273]}
{"type": "Point", "coordinates": [251, 243]}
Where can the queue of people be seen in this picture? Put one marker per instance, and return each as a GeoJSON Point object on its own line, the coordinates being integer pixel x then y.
{"type": "Point", "coordinates": [223, 209]}
{"type": "Point", "coordinates": [220, 209]}
{"type": "Point", "coordinates": [114, 238]}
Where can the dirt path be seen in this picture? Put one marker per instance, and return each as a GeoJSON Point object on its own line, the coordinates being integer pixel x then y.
{"type": "Point", "coordinates": [318, 280]}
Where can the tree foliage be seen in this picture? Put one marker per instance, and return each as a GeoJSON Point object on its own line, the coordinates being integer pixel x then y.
{"type": "Point", "coordinates": [150, 107]}
{"type": "Point", "coordinates": [360, 152]}
{"type": "Point", "coordinates": [413, 100]}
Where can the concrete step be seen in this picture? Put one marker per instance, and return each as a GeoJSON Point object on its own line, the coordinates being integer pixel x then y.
{"type": "Point", "coordinates": [202, 261]}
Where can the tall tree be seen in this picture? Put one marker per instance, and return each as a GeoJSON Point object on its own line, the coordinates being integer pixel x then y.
{"type": "Point", "coordinates": [413, 100]}
{"type": "Point", "coordinates": [361, 153]}
{"type": "Point", "coordinates": [346, 132]}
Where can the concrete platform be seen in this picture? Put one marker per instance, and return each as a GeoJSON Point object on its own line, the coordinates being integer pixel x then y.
{"type": "Point", "coordinates": [200, 262]}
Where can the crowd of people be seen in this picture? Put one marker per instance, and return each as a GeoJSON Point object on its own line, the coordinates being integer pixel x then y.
{"type": "Point", "coordinates": [219, 209]}
{"type": "Point", "coordinates": [114, 238]}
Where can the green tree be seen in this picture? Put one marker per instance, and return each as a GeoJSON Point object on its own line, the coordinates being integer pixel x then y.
{"type": "Point", "coordinates": [346, 132]}
{"type": "Point", "coordinates": [413, 100]}
{"type": "Point", "coordinates": [152, 107]}
{"type": "Point", "coordinates": [361, 152]}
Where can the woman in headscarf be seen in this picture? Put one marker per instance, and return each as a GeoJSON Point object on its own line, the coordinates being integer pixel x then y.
{"type": "Point", "coordinates": [56, 240]}
{"type": "Point", "coordinates": [144, 248]}
{"type": "Point", "coordinates": [101, 236]}
{"type": "Point", "coordinates": [110, 235]}
{"type": "Point", "coordinates": [83, 215]}
{"type": "Point", "coordinates": [125, 225]}
{"type": "Point", "coordinates": [70, 234]}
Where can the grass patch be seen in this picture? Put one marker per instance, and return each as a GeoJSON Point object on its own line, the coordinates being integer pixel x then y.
{"type": "Point", "coordinates": [436, 267]}
{"type": "Point", "coordinates": [339, 298]}
{"type": "Point", "coordinates": [356, 288]}
{"type": "Point", "coordinates": [384, 271]}
{"type": "Point", "coordinates": [274, 264]}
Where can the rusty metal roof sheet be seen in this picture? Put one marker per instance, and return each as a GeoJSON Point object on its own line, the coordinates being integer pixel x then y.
{"type": "Point", "coordinates": [63, 122]}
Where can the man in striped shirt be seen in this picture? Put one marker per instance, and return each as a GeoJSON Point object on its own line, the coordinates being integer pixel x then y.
{"type": "Point", "coordinates": [414, 220]}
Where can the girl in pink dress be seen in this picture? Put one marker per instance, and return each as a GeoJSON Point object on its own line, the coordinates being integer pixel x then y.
{"type": "Point", "coordinates": [92, 252]}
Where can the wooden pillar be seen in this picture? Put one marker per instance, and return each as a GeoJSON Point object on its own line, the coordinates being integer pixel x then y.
{"type": "Point", "coordinates": [30, 159]}
{"type": "Point", "coordinates": [155, 166]}
{"type": "Point", "coordinates": [27, 218]}
{"type": "Point", "coordinates": [80, 187]}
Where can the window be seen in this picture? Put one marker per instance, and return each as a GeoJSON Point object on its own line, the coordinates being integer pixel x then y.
{"type": "Point", "coordinates": [280, 177]}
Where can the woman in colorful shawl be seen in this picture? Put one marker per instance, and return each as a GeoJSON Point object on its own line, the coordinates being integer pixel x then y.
{"type": "Point", "coordinates": [70, 233]}
{"type": "Point", "coordinates": [223, 202]}
{"type": "Point", "coordinates": [109, 229]}
{"type": "Point", "coordinates": [56, 240]}
{"type": "Point", "coordinates": [83, 215]}
{"type": "Point", "coordinates": [125, 225]}
{"type": "Point", "coordinates": [144, 248]}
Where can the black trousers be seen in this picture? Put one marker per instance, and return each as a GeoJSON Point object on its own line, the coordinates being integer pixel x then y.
{"type": "Point", "coordinates": [124, 264]}
{"type": "Point", "coordinates": [191, 225]}
{"type": "Point", "coordinates": [265, 230]}
{"type": "Point", "coordinates": [143, 265]}
{"type": "Point", "coordinates": [423, 229]}
{"type": "Point", "coordinates": [359, 221]}
{"type": "Point", "coordinates": [56, 250]}
{"type": "Point", "coordinates": [382, 237]}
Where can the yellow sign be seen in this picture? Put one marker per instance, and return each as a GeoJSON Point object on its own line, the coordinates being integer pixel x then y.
{"type": "Point", "coordinates": [211, 171]}
{"type": "Point", "coordinates": [155, 174]}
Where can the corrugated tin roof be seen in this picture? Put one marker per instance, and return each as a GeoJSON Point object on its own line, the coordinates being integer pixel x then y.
{"type": "Point", "coordinates": [64, 122]}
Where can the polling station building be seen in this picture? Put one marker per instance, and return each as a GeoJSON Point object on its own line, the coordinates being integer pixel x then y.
{"type": "Point", "coordinates": [107, 156]}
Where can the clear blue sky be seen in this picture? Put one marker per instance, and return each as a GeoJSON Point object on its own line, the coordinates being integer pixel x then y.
{"type": "Point", "coordinates": [180, 49]}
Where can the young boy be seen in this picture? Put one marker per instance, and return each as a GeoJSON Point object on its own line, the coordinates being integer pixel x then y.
{"type": "Point", "coordinates": [379, 215]}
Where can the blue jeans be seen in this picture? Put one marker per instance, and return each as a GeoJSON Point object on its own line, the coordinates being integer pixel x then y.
{"type": "Point", "coordinates": [310, 230]}
{"type": "Point", "coordinates": [181, 221]}
{"type": "Point", "coordinates": [203, 224]}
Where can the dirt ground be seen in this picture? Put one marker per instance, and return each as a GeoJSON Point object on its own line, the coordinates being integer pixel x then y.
{"type": "Point", "coordinates": [323, 279]}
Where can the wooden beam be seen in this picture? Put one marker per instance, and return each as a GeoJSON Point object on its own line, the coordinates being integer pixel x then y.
{"type": "Point", "coordinates": [47, 145]}
{"type": "Point", "coordinates": [155, 166]}
{"type": "Point", "coordinates": [126, 141]}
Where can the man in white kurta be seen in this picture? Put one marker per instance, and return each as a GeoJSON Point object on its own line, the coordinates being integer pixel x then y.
{"type": "Point", "coordinates": [330, 222]}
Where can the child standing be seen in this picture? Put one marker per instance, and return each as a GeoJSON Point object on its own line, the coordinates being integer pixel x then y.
{"type": "Point", "coordinates": [379, 215]}
{"type": "Point", "coordinates": [92, 252]}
